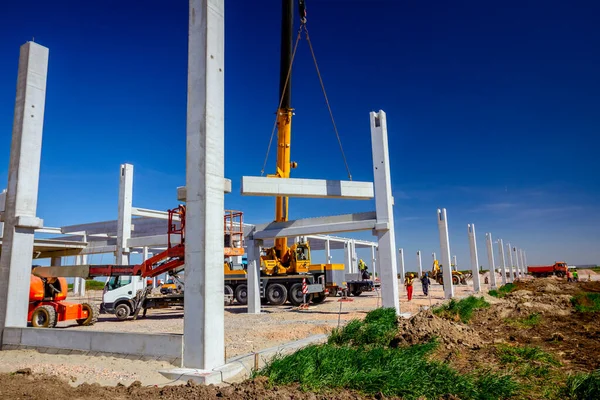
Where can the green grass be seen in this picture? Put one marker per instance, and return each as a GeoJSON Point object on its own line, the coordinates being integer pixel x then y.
{"type": "Point", "coordinates": [584, 386]}
{"type": "Point", "coordinates": [404, 372]}
{"type": "Point", "coordinates": [90, 285]}
{"type": "Point", "coordinates": [586, 302]}
{"type": "Point", "coordinates": [378, 328]}
{"type": "Point", "coordinates": [529, 361]}
{"type": "Point", "coordinates": [503, 290]}
{"type": "Point", "coordinates": [462, 309]}
{"type": "Point", "coordinates": [528, 322]}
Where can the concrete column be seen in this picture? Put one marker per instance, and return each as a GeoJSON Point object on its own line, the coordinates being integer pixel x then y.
{"type": "Point", "coordinates": [254, 306]}
{"type": "Point", "coordinates": [354, 257]}
{"type": "Point", "coordinates": [502, 262]}
{"type": "Point", "coordinates": [84, 260]}
{"type": "Point", "coordinates": [525, 259]}
{"type": "Point", "coordinates": [523, 266]}
{"type": "Point", "coordinates": [348, 257]}
{"type": "Point", "coordinates": [327, 252]}
{"type": "Point", "coordinates": [474, 257]}
{"type": "Point", "coordinates": [511, 276]}
{"type": "Point", "coordinates": [384, 202]}
{"type": "Point", "coordinates": [515, 257]}
{"type": "Point", "coordinates": [204, 328]}
{"type": "Point", "coordinates": [76, 281]}
{"type": "Point", "coordinates": [454, 265]}
{"type": "Point", "coordinates": [124, 218]}
{"type": "Point", "coordinates": [445, 249]}
{"type": "Point", "coordinates": [2, 203]}
{"type": "Point", "coordinates": [20, 219]}
{"type": "Point", "coordinates": [419, 263]}
{"type": "Point", "coordinates": [402, 270]}
{"type": "Point", "coordinates": [492, 265]}
{"type": "Point", "coordinates": [373, 261]}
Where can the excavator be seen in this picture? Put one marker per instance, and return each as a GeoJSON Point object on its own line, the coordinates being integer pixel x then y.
{"type": "Point", "coordinates": [438, 276]}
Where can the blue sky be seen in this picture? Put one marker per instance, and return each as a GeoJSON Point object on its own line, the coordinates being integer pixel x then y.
{"type": "Point", "coordinates": [492, 112]}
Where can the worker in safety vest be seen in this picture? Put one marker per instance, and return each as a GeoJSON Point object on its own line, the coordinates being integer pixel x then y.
{"type": "Point", "coordinates": [425, 282]}
{"type": "Point", "coordinates": [575, 276]}
{"type": "Point", "coordinates": [361, 265]}
{"type": "Point", "coordinates": [408, 282]}
{"type": "Point", "coordinates": [569, 276]}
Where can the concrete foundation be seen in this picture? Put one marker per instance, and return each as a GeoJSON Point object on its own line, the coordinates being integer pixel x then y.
{"type": "Point", "coordinates": [19, 216]}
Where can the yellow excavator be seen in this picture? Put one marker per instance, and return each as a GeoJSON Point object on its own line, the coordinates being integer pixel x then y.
{"type": "Point", "coordinates": [438, 276]}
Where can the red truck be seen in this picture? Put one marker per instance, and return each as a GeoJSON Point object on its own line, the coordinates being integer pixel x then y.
{"type": "Point", "coordinates": [559, 269]}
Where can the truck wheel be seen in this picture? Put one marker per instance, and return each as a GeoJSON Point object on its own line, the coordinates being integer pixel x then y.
{"type": "Point", "coordinates": [241, 294]}
{"type": "Point", "coordinates": [295, 295]}
{"type": "Point", "coordinates": [318, 298]}
{"type": "Point", "coordinates": [92, 318]}
{"type": "Point", "coordinates": [228, 295]}
{"type": "Point", "coordinates": [357, 292]}
{"type": "Point", "coordinates": [560, 274]}
{"type": "Point", "coordinates": [276, 294]}
{"type": "Point", "coordinates": [122, 311]}
{"type": "Point", "coordinates": [455, 280]}
{"type": "Point", "coordinates": [333, 292]}
{"type": "Point", "coordinates": [43, 317]}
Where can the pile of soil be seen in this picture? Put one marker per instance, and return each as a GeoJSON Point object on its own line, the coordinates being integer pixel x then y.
{"type": "Point", "coordinates": [425, 326]}
{"type": "Point", "coordinates": [42, 387]}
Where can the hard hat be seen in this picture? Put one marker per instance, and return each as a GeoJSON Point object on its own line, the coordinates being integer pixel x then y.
{"type": "Point", "coordinates": [361, 260]}
{"type": "Point", "coordinates": [412, 275]}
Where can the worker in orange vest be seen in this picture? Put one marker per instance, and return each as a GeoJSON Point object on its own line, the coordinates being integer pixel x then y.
{"type": "Point", "coordinates": [408, 282]}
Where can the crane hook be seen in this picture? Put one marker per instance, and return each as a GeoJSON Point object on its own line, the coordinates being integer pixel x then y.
{"type": "Point", "coordinates": [302, 11]}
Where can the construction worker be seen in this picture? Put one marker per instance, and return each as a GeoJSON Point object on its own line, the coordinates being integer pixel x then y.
{"type": "Point", "coordinates": [361, 265]}
{"type": "Point", "coordinates": [425, 282]}
{"type": "Point", "coordinates": [408, 282]}
{"type": "Point", "coordinates": [575, 276]}
{"type": "Point", "coordinates": [569, 276]}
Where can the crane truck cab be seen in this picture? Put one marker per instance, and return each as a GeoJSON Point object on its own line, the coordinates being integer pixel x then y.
{"type": "Point", "coordinates": [119, 293]}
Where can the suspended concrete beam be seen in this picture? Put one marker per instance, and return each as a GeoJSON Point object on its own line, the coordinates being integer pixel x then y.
{"type": "Point", "coordinates": [182, 192]}
{"type": "Point", "coordinates": [307, 226]}
{"type": "Point", "coordinates": [308, 188]}
{"type": "Point", "coordinates": [474, 257]}
{"type": "Point", "coordinates": [445, 253]}
{"type": "Point", "coordinates": [20, 219]}
{"type": "Point", "coordinates": [384, 203]}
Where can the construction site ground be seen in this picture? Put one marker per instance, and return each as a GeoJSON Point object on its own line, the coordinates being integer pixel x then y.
{"type": "Point", "coordinates": [573, 339]}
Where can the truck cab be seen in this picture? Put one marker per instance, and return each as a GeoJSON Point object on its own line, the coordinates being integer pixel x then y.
{"type": "Point", "coordinates": [119, 293]}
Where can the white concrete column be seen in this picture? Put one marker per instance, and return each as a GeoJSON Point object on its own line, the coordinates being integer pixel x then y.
{"type": "Point", "coordinates": [348, 257]}
{"type": "Point", "coordinates": [204, 328]}
{"type": "Point", "coordinates": [20, 219]}
{"type": "Point", "coordinates": [511, 276]}
{"type": "Point", "coordinates": [354, 256]}
{"type": "Point", "coordinates": [2, 203]}
{"type": "Point", "coordinates": [124, 218]}
{"type": "Point", "coordinates": [523, 266]}
{"type": "Point", "coordinates": [76, 281]}
{"type": "Point", "coordinates": [373, 261]}
{"type": "Point", "coordinates": [384, 202]}
{"type": "Point", "coordinates": [474, 257]}
{"type": "Point", "coordinates": [327, 252]}
{"type": "Point", "coordinates": [83, 260]}
{"type": "Point", "coordinates": [419, 263]}
{"type": "Point", "coordinates": [56, 261]}
{"type": "Point", "coordinates": [454, 265]}
{"type": "Point", "coordinates": [254, 306]}
{"type": "Point", "coordinates": [445, 249]}
{"type": "Point", "coordinates": [402, 270]}
{"type": "Point", "coordinates": [515, 257]}
{"type": "Point", "coordinates": [491, 262]}
{"type": "Point", "coordinates": [525, 259]}
{"type": "Point", "coordinates": [502, 261]}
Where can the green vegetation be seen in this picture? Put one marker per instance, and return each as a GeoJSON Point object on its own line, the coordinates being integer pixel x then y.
{"type": "Point", "coordinates": [529, 360]}
{"type": "Point", "coordinates": [503, 290]}
{"type": "Point", "coordinates": [531, 320]}
{"type": "Point", "coordinates": [90, 285]}
{"type": "Point", "coordinates": [461, 310]}
{"type": "Point", "coordinates": [586, 302]}
{"type": "Point", "coordinates": [360, 356]}
{"type": "Point", "coordinates": [582, 386]}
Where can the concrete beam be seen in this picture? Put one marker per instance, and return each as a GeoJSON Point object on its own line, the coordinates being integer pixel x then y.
{"type": "Point", "coordinates": [384, 230]}
{"type": "Point", "coordinates": [155, 240]}
{"type": "Point", "coordinates": [20, 219]}
{"type": "Point", "coordinates": [182, 191]}
{"type": "Point", "coordinates": [307, 226]}
{"type": "Point", "coordinates": [204, 326]}
{"type": "Point", "coordinates": [307, 188]}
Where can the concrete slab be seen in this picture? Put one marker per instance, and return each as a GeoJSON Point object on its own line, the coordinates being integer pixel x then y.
{"type": "Point", "coordinates": [307, 188]}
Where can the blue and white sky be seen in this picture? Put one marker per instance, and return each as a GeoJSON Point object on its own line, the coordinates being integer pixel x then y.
{"type": "Point", "coordinates": [493, 112]}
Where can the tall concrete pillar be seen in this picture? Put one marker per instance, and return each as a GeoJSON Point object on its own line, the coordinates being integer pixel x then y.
{"type": "Point", "coordinates": [327, 252]}
{"type": "Point", "coordinates": [19, 215]}
{"type": "Point", "coordinates": [445, 249]}
{"type": "Point", "coordinates": [348, 257]}
{"type": "Point", "coordinates": [2, 203]}
{"type": "Point", "coordinates": [523, 266]}
{"type": "Point", "coordinates": [515, 257]}
{"type": "Point", "coordinates": [76, 281]}
{"type": "Point", "coordinates": [525, 259]}
{"type": "Point", "coordinates": [492, 265]}
{"type": "Point", "coordinates": [354, 257]}
{"type": "Point", "coordinates": [454, 264]}
{"type": "Point", "coordinates": [509, 259]}
{"type": "Point", "coordinates": [402, 270]}
{"type": "Point", "coordinates": [384, 202]}
{"type": "Point", "coordinates": [124, 217]}
{"type": "Point", "coordinates": [474, 257]}
{"type": "Point", "coordinates": [204, 329]}
{"type": "Point", "coordinates": [254, 306]}
{"type": "Point", "coordinates": [502, 261]}
{"type": "Point", "coordinates": [83, 260]}
{"type": "Point", "coordinates": [373, 261]}
{"type": "Point", "coordinates": [419, 263]}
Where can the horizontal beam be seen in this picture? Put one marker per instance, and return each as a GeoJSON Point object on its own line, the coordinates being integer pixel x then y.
{"type": "Point", "coordinates": [311, 226]}
{"type": "Point", "coordinates": [99, 249]}
{"type": "Point", "coordinates": [155, 240]}
{"type": "Point", "coordinates": [182, 192]}
{"type": "Point", "coordinates": [308, 188]}
{"type": "Point", "coordinates": [145, 212]}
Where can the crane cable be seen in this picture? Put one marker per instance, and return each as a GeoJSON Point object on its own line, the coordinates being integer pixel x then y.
{"type": "Point", "coordinates": [287, 79]}
{"type": "Point", "coordinates": [326, 99]}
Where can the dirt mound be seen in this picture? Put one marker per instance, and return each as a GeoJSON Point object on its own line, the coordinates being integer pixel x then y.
{"type": "Point", "coordinates": [43, 387]}
{"type": "Point", "coordinates": [424, 326]}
